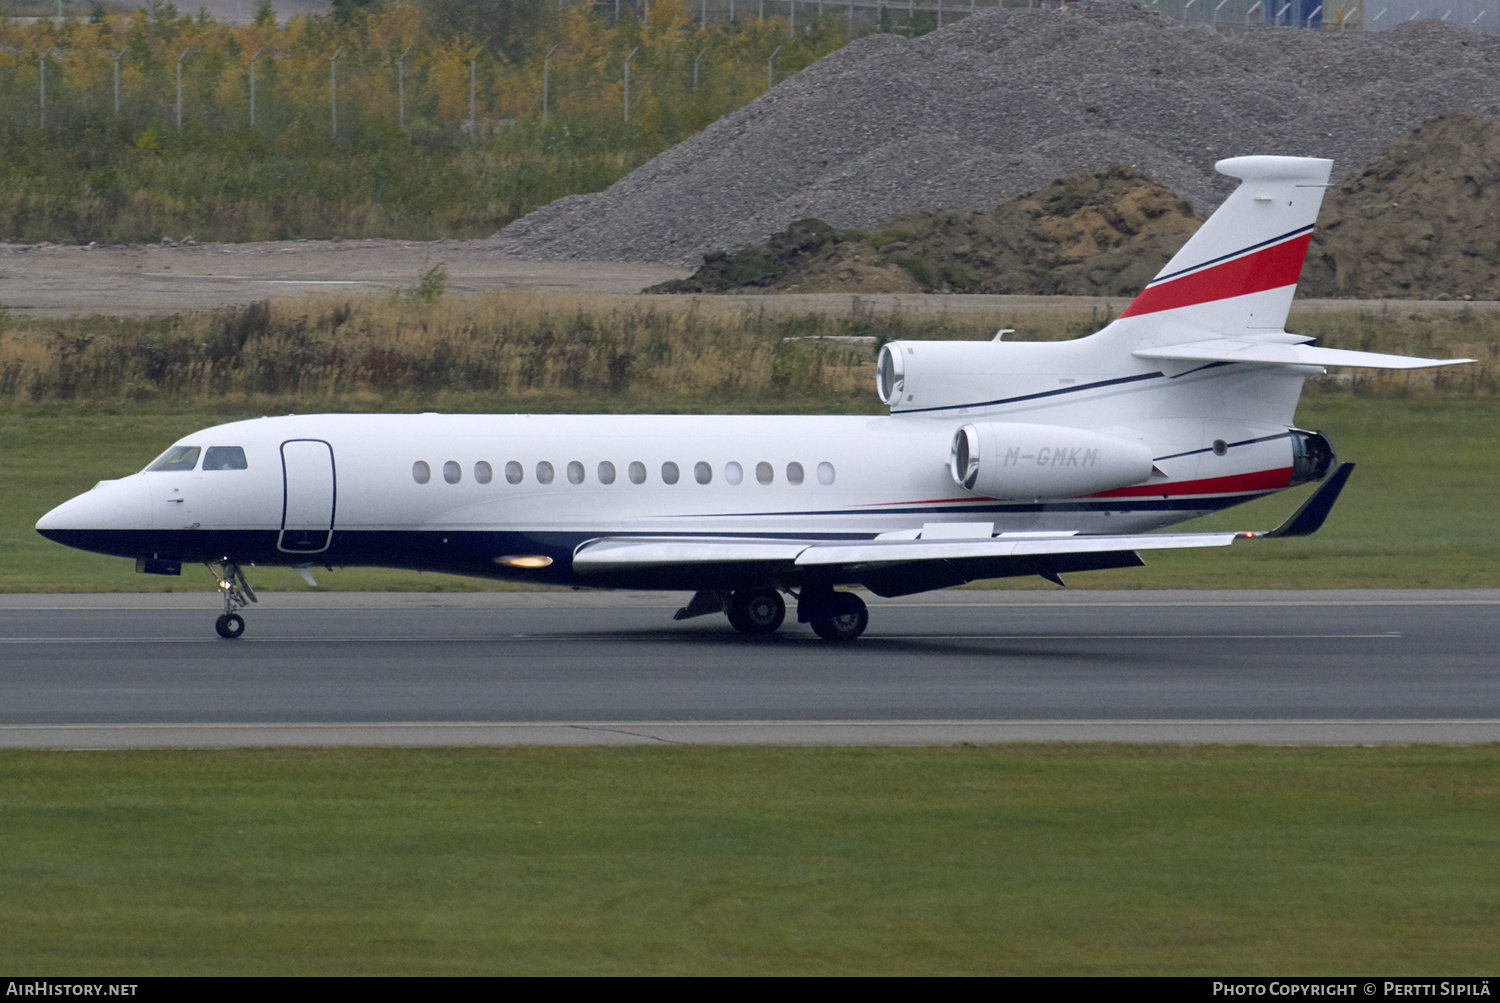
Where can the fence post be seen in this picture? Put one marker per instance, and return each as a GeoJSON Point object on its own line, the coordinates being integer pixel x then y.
{"type": "Point", "coordinates": [333, 77]}
{"type": "Point", "coordinates": [627, 80]}
{"type": "Point", "coordinates": [115, 57]}
{"type": "Point", "coordinates": [401, 88]}
{"type": "Point", "coordinates": [179, 87]}
{"type": "Point", "coordinates": [771, 68]}
{"type": "Point", "coordinates": [473, 61]}
{"type": "Point", "coordinates": [252, 83]}
{"type": "Point", "coordinates": [695, 68]}
{"type": "Point", "coordinates": [43, 63]}
{"type": "Point", "coordinates": [546, 74]}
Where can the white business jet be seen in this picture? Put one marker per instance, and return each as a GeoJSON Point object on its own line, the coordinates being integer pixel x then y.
{"type": "Point", "coordinates": [997, 459]}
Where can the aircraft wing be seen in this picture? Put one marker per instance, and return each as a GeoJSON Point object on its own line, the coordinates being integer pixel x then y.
{"type": "Point", "coordinates": [1232, 350]}
{"type": "Point", "coordinates": [627, 552]}
{"type": "Point", "coordinates": [951, 553]}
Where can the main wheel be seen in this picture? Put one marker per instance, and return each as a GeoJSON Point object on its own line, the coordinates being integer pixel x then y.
{"type": "Point", "coordinates": [756, 611]}
{"type": "Point", "coordinates": [230, 625]}
{"type": "Point", "coordinates": [848, 623]}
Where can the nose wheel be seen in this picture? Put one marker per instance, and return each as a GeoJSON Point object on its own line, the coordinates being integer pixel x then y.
{"type": "Point", "coordinates": [237, 595]}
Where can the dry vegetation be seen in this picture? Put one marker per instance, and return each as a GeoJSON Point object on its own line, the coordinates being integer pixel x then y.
{"type": "Point", "coordinates": [558, 352]}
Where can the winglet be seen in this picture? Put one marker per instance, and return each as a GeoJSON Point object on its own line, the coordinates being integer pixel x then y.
{"type": "Point", "coordinates": [1308, 519]}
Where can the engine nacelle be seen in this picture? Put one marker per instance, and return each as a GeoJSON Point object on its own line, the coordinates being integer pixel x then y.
{"type": "Point", "coordinates": [1015, 460]}
{"type": "Point", "coordinates": [921, 375]}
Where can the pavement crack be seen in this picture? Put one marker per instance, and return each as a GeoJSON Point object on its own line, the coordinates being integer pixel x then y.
{"type": "Point", "coordinates": [627, 731]}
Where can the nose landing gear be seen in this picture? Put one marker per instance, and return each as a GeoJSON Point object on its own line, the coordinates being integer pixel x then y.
{"type": "Point", "coordinates": [237, 595]}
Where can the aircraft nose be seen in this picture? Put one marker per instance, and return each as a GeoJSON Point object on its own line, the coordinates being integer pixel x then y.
{"type": "Point", "coordinates": [109, 505]}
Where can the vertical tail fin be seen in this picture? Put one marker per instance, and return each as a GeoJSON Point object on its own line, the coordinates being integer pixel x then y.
{"type": "Point", "coordinates": [1238, 273]}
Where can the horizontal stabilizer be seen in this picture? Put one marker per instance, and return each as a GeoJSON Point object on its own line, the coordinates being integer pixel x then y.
{"type": "Point", "coordinates": [1233, 350]}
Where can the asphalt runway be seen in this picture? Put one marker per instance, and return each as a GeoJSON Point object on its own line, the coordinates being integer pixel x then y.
{"type": "Point", "coordinates": [599, 668]}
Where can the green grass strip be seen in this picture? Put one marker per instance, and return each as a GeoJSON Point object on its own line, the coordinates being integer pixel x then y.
{"type": "Point", "coordinates": [1097, 859]}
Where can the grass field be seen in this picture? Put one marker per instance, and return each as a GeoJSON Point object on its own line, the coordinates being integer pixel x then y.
{"type": "Point", "coordinates": [1418, 513]}
{"type": "Point", "coordinates": [1009, 859]}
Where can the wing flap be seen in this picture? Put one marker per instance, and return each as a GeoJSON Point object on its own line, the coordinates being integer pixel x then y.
{"type": "Point", "coordinates": [638, 551]}
{"type": "Point", "coordinates": [1276, 354]}
{"type": "Point", "coordinates": [881, 552]}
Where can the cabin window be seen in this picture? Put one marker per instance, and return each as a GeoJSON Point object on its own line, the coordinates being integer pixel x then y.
{"type": "Point", "coordinates": [702, 472]}
{"type": "Point", "coordinates": [421, 472]}
{"type": "Point", "coordinates": [669, 472]}
{"type": "Point", "coordinates": [825, 472]}
{"type": "Point", "coordinates": [544, 472]}
{"type": "Point", "coordinates": [764, 473]}
{"type": "Point", "coordinates": [483, 472]}
{"type": "Point", "coordinates": [606, 473]}
{"type": "Point", "coordinates": [514, 473]}
{"type": "Point", "coordinates": [733, 472]}
{"type": "Point", "coordinates": [575, 472]}
{"type": "Point", "coordinates": [452, 472]}
{"type": "Point", "coordinates": [637, 471]}
{"type": "Point", "coordinates": [177, 458]}
{"type": "Point", "coordinates": [225, 458]}
{"type": "Point", "coordinates": [794, 473]}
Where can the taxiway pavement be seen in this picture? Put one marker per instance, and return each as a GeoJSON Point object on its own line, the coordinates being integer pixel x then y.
{"type": "Point", "coordinates": [601, 668]}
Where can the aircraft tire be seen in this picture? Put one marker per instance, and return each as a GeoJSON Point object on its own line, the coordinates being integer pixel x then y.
{"type": "Point", "coordinates": [846, 625]}
{"type": "Point", "coordinates": [230, 625]}
{"type": "Point", "coordinates": [756, 611]}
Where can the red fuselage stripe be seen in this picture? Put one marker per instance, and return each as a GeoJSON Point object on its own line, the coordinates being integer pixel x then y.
{"type": "Point", "coordinates": [1271, 268]}
{"type": "Point", "coordinates": [1261, 480]}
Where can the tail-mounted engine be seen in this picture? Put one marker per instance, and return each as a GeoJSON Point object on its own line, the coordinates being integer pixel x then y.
{"type": "Point", "coordinates": [1014, 460]}
{"type": "Point", "coordinates": [922, 375]}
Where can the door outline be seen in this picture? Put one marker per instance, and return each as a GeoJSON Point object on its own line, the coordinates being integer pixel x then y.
{"type": "Point", "coordinates": [307, 536]}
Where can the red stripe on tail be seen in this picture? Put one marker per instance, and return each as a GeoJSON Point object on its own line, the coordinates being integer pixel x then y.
{"type": "Point", "coordinates": [1271, 268]}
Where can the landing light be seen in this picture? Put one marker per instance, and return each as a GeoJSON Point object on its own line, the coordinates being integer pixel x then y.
{"type": "Point", "coordinates": [524, 560]}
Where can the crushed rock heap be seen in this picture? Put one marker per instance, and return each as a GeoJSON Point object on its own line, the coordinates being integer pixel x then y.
{"type": "Point", "coordinates": [1097, 233]}
{"type": "Point", "coordinates": [1005, 101]}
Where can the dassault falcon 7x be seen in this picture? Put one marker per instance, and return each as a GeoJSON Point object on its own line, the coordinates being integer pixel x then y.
{"type": "Point", "coordinates": [997, 459]}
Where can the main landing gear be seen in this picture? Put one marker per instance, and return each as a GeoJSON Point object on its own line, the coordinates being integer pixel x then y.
{"type": "Point", "coordinates": [755, 611]}
{"type": "Point", "coordinates": [834, 616]}
{"type": "Point", "coordinates": [237, 595]}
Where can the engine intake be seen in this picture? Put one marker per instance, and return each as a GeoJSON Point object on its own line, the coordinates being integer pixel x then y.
{"type": "Point", "coordinates": [1014, 460]}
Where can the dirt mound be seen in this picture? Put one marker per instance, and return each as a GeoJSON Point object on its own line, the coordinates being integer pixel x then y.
{"type": "Point", "coordinates": [1098, 233]}
{"type": "Point", "coordinates": [1422, 221]}
{"type": "Point", "coordinates": [1004, 101]}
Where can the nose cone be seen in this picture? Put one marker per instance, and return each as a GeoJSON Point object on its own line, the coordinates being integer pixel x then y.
{"type": "Point", "coordinates": [94, 520]}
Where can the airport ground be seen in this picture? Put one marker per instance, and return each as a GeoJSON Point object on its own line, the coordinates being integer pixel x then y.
{"type": "Point", "coordinates": [1181, 782]}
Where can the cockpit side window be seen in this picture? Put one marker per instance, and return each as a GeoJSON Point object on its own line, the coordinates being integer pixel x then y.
{"type": "Point", "coordinates": [225, 458]}
{"type": "Point", "coordinates": [177, 458]}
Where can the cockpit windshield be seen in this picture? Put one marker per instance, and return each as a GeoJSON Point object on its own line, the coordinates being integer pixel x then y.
{"type": "Point", "coordinates": [176, 458]}
{"type": "Point", "coordinates": [225, 458]}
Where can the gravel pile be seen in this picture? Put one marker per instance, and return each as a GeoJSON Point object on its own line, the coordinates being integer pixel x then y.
{"type": "Point", "coordinates": [1004, 102]}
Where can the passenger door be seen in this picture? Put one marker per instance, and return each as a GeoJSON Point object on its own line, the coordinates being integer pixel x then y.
{"type": "Point", "coordinates": [310, 496]}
